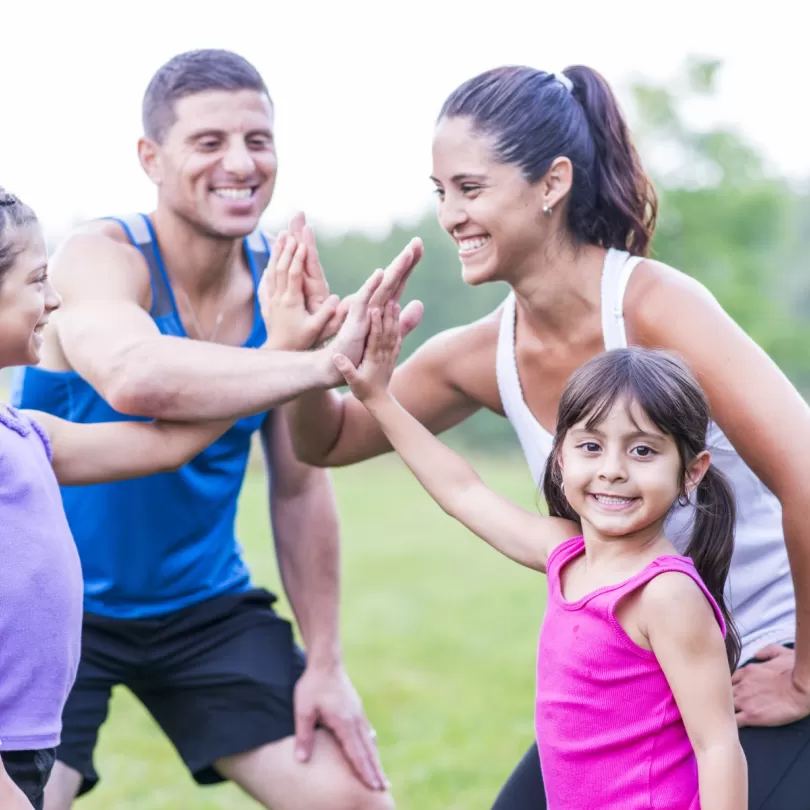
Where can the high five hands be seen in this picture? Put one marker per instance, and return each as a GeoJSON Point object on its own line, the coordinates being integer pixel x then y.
{"type": "Point", "coordinates": [297, 307]}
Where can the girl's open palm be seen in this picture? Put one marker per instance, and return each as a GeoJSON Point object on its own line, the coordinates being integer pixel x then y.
{"type": "Point", "coordinates": [370, 379]}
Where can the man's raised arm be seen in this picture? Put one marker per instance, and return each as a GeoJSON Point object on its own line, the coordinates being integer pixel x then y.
{"type": "Point", "coordinates": [108, 337]}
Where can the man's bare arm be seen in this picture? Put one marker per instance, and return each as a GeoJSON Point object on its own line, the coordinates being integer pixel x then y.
{"type": "Point", "coordinates": [108, 337]}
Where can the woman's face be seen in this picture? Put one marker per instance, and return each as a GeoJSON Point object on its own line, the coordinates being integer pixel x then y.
{"type": "Point", "coordinates": [493, 214]}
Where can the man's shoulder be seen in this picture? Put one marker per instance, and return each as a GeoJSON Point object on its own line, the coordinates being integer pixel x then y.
{"type": "Point", "coordinates": [107, 228]}
{"type": "Point", "coordinates": [99, 246]}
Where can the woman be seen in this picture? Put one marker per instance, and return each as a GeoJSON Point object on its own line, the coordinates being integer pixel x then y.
{"type": "Point", "coordinates": [541, 187]}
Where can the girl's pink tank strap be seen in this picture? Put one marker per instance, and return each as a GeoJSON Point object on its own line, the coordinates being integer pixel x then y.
{"type": "Point", "coordinates": [559, 557]}
{"type": "Point", "coordinates": [663, 565]}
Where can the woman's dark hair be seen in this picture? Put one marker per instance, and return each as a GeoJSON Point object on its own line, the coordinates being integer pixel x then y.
{"type": "Point", "coordinates": [534, 118]}
{"type": "Point", "coordinates": [14, 214]}
{"type": "Point", "coordinates": [670, 396]}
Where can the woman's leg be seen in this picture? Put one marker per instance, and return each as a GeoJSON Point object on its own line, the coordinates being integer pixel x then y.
{"type": "Point", "coordinates": [778, 766]}
{"type": "Point", "coordinates": [524, 790]}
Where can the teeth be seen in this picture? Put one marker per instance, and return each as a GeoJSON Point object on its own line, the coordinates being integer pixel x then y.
{"type": "Point", "coordinates": [609, 499]}
{"type": "Point", "coordinates": [234, 193]}
{"type": "Point", "coordinates": [467, 245]}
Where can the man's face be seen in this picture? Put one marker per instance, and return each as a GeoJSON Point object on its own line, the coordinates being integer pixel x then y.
{"type": "Point", "coordinates": [216, 167]}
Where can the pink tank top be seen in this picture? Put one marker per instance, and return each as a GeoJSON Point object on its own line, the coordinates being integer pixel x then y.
{"type": "Point", "coordinates": [608, 730]}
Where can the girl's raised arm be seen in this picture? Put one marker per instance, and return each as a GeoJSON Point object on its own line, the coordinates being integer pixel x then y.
{"type": "Point", "coordinates": [524, 536]}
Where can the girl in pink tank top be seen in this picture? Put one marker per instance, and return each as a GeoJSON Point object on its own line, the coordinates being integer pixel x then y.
{"type": "Point", "coordinates": [634, 705]}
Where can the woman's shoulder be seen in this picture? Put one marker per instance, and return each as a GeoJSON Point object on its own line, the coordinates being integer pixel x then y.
{"type": "Point", "coordinates": [660, 297]}
{"type": "Point", "coordinates": [469, 342]}
{"type": "Point", "coordinates": [465, 358]}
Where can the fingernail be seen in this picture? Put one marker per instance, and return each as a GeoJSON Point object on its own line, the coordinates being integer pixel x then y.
{"type": "Point", "coordinates": [299, 754]}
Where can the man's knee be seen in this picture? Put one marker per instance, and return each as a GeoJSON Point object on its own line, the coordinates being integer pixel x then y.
{"type": "Point", "coordinates": [354, 796]}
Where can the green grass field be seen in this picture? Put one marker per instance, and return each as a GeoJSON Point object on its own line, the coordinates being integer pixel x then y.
{"type": "Point", "coordinates": [439, 633]}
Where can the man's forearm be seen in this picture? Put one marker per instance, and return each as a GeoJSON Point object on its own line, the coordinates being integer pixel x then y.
{"type": "Point", "coordinates": [306, 532]}
{"type": "Point", "coordinates": [177, 379]}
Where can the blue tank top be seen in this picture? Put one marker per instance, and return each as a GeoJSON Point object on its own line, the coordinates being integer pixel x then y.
{"type": "Point", "coordinates": [154, 545]}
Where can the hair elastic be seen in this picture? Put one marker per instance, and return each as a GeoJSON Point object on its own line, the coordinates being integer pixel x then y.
{"type": "Point", "coordinates": [564, 81]}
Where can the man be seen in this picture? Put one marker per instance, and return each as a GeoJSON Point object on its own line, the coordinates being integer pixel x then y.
{"type": "Point", "coordinates": [169, 608]}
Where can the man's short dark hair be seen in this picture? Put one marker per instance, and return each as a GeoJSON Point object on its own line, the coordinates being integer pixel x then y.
{"type": "Point", "coordinates": [187, 74]}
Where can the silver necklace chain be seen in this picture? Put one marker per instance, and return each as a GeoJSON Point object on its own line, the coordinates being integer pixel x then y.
{"type": "Point", "coordinates": [218, 321]}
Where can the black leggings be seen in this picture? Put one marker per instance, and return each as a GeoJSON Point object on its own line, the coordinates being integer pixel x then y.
{"type": "Point", "coordinates": [778, 772]}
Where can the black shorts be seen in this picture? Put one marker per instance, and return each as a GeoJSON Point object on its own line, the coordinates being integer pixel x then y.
{"type": "Point", "coordinates": [29, 770]}
{"type": "Point", "coordinates": [218, 677]}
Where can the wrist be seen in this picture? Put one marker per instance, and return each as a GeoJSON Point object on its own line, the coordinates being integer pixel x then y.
{"type": "Point", "coordinates": [326, 372]}
{"type": "Point", "coordinates": [801, 679]}
{"type": "Point", "coordinates": [325, 658]}
{"type": "Point", "coordinates": [378, 402]}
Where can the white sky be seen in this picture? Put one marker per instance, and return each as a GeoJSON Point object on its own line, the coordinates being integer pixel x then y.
{"type": "Point", "coordinates": [357, 85]}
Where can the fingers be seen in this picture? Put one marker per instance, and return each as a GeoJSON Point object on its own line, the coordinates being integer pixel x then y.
{"type": "Point", "coordinates": [314, 268]}
{"type": "Point", "coordinates": [268, 281]}
{"type": "Point", "coordinates": [304, 733]}
{"type": "Point", "coordinates": [346, 368]}
{"type": "Point", "coordinates": [354, 747]}
{"type": "Point", "coordinates": [333, 326]}
{"type": "Point", "coordinates": [294, 290]}
{"type": "Point", "coordinates": [771, 651]}
{"type": "Point", "coordinates": [390, 327]}
{"type": "Point", "coordinates": [323, 315]}
{"type": "Point", "coordinates": [368, 741]}
{"type": "Point", "coordinates": [297, 224]}
{"type": "Point", "coordinates": [417, 251]}
{"type": "Point", "coordinates": [410, 318]}
{"type": "Point", "coordinates": [365, 293]}
{"type": "Point", "coordinates": [401, 265]}
{"type": "Point", "coordinates": [374, 342]}
{"type": "Point", "coordinates": [285, 257]}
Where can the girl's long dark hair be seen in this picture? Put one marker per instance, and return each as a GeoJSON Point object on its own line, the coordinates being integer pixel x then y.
{"type": "Point", "coordinates": [670, 396]}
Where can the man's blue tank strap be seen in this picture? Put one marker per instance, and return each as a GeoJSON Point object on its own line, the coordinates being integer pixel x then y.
{"type": "Point", "coordinates": [141, 234]}
{"type": "Point", "coordinates": [139, 231]}
{"type": "Point", "coordinates": [258, 247]}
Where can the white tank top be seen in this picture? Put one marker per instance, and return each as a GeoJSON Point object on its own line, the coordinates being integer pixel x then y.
{"type": "Point", "coordinates": [759, 588]}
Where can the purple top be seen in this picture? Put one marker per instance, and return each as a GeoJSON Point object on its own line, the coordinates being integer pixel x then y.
{"type": "Point", "coordinates": [40, 590]}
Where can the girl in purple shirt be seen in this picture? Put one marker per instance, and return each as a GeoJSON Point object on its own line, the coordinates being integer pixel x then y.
{"type": "Point", "coordinates": [40, 575]}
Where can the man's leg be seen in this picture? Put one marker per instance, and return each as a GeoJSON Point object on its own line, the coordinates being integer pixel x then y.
{"type": "Point", "coordinates": [272, 775]}
{"type": "Point", "coordinates": [63, 787]}
{"type": "Point", "coordinates": [221, 687]}
{"type": "Point", "coordinates": [104, 654]}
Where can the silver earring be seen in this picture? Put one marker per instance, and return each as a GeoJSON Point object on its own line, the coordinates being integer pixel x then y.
{"type": "Point", "coordinates": [547, 210]}
{"type": "Point", "coordinates": [683, 500]}
{"type": "Point", "coordinates": [562, 487]}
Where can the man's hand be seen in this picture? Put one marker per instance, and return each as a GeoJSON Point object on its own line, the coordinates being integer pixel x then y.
{"type": "Point", "coordinates": [316, 287]}
{"type": "Point", "coordinates": [395, 278]}
{"type": "Point", "coordinates": [290, 326]}
{"type": "Point", "coordinates": [326, 696]}
{"type": "Point", "coordinates": [765, 692]}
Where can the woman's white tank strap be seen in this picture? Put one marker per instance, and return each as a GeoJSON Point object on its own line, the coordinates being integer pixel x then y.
{"type": "Point", "coordinates": [615, 274]}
